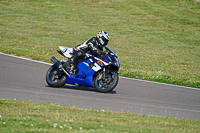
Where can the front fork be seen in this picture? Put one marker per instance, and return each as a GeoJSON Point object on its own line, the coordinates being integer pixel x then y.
{"type": "Point", "coordinates": [104, 72]}
{"type": "Point", "coordinates": [103, 75]}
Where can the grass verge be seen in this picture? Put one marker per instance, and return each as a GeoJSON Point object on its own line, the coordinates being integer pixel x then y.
{"type": "Point", "coordinates": [156, 40]}
{"type": "Point", "coordinates": [27, 116]}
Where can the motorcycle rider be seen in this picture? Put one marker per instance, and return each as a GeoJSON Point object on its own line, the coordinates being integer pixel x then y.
{"type": "Point", "coordinates": [94, 45]}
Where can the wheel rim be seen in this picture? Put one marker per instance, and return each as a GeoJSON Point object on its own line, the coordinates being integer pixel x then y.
{"type": "Point", "coordinates": [53, 76]}
{"type": "Point", "coordinates": [104, 83]}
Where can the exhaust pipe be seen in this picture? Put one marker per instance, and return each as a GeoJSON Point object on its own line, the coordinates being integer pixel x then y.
{"type": "Point", "coordinates": [54, 60]}
{"type": "Point", "coordinates": [58, 64]}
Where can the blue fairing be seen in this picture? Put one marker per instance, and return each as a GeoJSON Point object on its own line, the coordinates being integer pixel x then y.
{"type": "Point", "coordinates": [84, 76]}
{"type": "Point", "coordinates": [89, 67]}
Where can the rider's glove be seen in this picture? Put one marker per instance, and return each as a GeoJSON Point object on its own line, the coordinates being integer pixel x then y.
{"type": "Point", "coordinates": [103, 53]}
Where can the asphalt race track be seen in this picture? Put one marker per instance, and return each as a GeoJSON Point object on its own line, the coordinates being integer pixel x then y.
{"type": "Point", "coordinates": [25, 80]}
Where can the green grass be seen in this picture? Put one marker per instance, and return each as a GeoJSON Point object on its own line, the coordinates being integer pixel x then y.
{"type": "Point", "coordinates": [156, 40]}
{"type": "Point", "coordinates": [27, 116]}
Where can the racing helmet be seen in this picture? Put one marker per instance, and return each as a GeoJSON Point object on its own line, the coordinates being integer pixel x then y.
{"type": "Point", "coordinates": [103, 38]}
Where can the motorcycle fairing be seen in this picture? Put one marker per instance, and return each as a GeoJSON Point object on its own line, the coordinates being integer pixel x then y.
{"type": "Point", "coordinates": [90, 66]}
{"type": "Point", "coordinates": [86, 72]}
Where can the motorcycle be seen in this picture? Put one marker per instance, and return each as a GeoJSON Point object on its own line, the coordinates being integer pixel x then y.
{"type": "Point", "coordinates": [100, 72]}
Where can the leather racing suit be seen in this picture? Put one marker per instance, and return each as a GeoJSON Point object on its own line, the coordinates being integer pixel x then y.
{"type": "Point", "coordinates": [79, 51]}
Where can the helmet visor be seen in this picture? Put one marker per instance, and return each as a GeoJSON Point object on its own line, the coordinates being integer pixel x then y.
{"type": "Point", "coordinates": [105, 42]}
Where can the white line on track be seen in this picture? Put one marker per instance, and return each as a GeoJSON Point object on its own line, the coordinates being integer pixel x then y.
{"type": "Point", "coordinates": [26, 59]}
{"type": "Point", "coordinates": [161, 83]}
{"type": "Point", "coordinates": [120, 76]}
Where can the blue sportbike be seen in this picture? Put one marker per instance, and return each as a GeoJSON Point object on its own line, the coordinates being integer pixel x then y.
{"type": "Point", "coordinates": [100, 72]}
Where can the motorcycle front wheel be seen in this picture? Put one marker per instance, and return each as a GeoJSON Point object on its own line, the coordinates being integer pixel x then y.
{"type": "Point", "coordinates": [55, 77]}
{"type": "Point", "coordinates": [106, 81]}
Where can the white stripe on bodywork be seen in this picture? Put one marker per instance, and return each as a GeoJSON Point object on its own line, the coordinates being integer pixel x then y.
{"type": "Point", "coordinates": [101, 60]}
{"type": "Point", "coordinates": [96, 67]}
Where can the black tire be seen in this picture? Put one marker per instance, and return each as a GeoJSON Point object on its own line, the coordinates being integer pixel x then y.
{"type": "Point", "coordinates": [106, 84]}
{"type": "Point", "coordinates": [55, 77]}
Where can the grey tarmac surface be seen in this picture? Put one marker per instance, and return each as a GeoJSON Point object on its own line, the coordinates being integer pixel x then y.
{"type": "Point", "coordinates": [25, 80]}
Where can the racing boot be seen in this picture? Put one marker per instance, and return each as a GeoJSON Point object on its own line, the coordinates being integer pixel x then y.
{"type": "Point", "coordinates": [68, 65]}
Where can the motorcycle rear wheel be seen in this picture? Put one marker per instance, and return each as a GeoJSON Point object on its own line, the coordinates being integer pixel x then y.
{"type": "Point", "coordinates": [107, 83]}
{"type": "Point", "coordinates": [55, 77]}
